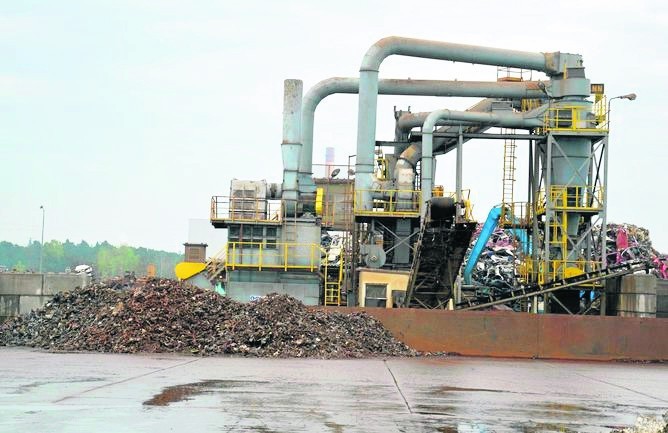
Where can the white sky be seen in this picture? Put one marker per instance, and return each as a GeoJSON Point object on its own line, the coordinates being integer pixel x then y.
{"type": "Point", "coordinates": [123, 117]}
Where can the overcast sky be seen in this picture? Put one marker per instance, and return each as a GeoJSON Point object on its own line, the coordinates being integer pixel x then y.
{"type": "Point", "coordinates": [123, 117]}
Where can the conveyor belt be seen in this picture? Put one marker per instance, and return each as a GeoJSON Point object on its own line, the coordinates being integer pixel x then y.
{"type": "Point", "coordinates": [439, 253]}
{"type": "Point", "coordinates": [540, 289]}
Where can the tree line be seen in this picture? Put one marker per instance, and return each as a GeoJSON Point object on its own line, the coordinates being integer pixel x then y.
{"type": "Point", "coordinates": [106, 259]}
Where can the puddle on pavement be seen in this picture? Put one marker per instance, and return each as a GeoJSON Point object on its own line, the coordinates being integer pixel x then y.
{"type": "Point", "coordinates": [429, 409]}
{"type": "Point", "coordinates": [334, 427]}
{"type": "Point", "coordinates": [564, 407]}
{"type": "Point", "coordinates": [187, 391]}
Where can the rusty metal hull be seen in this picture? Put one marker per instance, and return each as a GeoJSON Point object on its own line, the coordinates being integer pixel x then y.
{"type": "Point", "coordinates": [522, 335]}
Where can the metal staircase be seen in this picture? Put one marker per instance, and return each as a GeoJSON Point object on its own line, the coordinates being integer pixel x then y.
{"type": "Point", "coordinates": [333, 279]}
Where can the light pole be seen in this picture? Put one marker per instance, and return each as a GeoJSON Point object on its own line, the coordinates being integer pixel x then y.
{"type": "Point", "coordinates": [630, 97]}
{"type": "Point", "coordinates": [41, 248]}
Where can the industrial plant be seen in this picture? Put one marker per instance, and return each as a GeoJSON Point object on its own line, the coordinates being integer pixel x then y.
{"type": "Point", "coordinates": [378, 232]}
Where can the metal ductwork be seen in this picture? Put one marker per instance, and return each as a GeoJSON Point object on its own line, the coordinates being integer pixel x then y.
{"type": "Point", "coordinates": [291, 144]}
{"type": "Point", "coordinates": [330, 86]}
{"type": "Point", "coordinates": [530, 119]}
{"type": "Point", "coordinates": [554, 64]}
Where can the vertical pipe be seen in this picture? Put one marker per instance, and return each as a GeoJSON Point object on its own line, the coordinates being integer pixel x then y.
{"type": "Point", "coordinates": [537, 154]}
{"type": "Point", "coordinates": [426, 180]}
{"type": "Point", "coordinates": [458, 172]}
{"type": "Point", "coordinates": [366, 136]}
{"type": "Point", "coordinates": [531, 199]}
{"type": "Point", "coordinates": [291, 144]}
{"type": "Point", "coordinates": [548, 218]}
{"type": "Point", "coordinates": [604, 222]}
{"type": "Point", "coordinates": [530, 181]}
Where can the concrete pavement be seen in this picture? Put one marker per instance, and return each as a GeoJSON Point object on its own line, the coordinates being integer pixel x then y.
{"type": "Point", "coordinates": [63, 392]}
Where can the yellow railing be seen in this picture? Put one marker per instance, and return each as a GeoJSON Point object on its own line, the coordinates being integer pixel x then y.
{"type": "Point", "coordinates": [390, 202]}
{"type": "Point", "coordinates": [466, 199]}
{"type": "Point", "coordinates": [572, 198]}
{"type": "Point", "coordinates": [245, 209]}
{"type": "Point", "coordinates": [601, 111]}
{"type": "Point", "coordinates": [572, 118]}
{"type": "Point", "coordinates": [333, 287]}
{"type": "Point", "coordinates": [576, 198]}
{"type": "Point", "coordinates": [541, 272]}
{"type": "Point", "coordinates": [272, 255]}
{"type": "Point", "coordinates": [517, 214]}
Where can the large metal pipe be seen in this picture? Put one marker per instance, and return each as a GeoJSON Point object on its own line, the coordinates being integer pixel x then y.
{"type": "Point", "coordinates": [407, 121]}
{"type": "Point", "coordinates": [508, 120]}
{"type": "Point", "coordinates": [368, 91]}
{"type": "Point", "coordinates": [330, 86]}
{"type": "Point", "coordinates": [291, 144]}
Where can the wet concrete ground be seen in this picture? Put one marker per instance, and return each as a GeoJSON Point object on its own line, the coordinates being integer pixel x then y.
{"type": "Point", "coordinates": [46, 392]}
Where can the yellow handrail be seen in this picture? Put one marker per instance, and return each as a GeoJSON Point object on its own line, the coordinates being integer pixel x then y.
{"type": "Point", "coordinates": [389, 202]}
{"type": "Point", "coordinates": [241, 209]}
{"type": "Point", "coordinates": [541, 272]}
{"type": "Point", "coordinates": [272, 255]}
{"type": "Point", "coordinates": [573, 118]}
{"type": "Point", "coordinates": [577, 197]}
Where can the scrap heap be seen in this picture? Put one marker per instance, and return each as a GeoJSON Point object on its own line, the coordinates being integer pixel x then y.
{"type": "Point", "coordinates": [166, 316]}
{"type": "Point", "coordinates": [625, 242]}
{"type": "Point", "coordinates": [497, 263]}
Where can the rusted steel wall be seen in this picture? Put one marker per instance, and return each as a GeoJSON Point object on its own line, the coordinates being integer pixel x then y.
{"type": "Point", "coordinates": [522, 335]}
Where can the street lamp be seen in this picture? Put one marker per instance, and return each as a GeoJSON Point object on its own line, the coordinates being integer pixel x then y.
{"type": "Point", "coordinates": [41, 248]}
{"type": "Point", "coordinates": [630, 97]}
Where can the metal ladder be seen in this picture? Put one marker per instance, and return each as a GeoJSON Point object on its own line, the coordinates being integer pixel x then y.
{"type": "Point", "coordinates": [508, 194]}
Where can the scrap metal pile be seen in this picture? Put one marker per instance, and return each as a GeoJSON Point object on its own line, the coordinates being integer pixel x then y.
{"type": "Point", "coordinates": [167, 316]}
{"type": "Point", "coordinates": [626, 242]}
{"type": "Point", "coordinates": [496, 267]}
{"type": "Point", "coordinates": [497, 263]}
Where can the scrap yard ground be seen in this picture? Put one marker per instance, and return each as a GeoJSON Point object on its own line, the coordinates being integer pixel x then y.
{"type": "Point", "coordinates": [86, 392]}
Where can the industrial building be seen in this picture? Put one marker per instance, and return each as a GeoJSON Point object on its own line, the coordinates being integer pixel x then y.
{"type": "Point", "coordinates": [379, 232]}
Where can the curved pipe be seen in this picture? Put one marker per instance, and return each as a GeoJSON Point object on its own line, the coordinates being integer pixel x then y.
{"type": "Point", "coordinates": [526, 119]}
{"type": "Point", "coordinates": [368, 92]}
{"type": "Point", "coordinates": [413, 153]}
{"type": "Point", "coordinates": [530, 119]}
{"type": "Point", "coordinates": [330, 86]}
{"type": "Point", "coordinates": [455, 52]}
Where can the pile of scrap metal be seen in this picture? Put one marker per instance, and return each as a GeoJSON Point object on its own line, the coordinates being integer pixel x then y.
{"type": "Point", "coordinates": [160, 315]}
{"type": "Point", "coordinates": [495, 272]}
{"type": "Point", "coordinates": [627, 242]}
{"type": "Point", "coordinates": [496, 265]}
